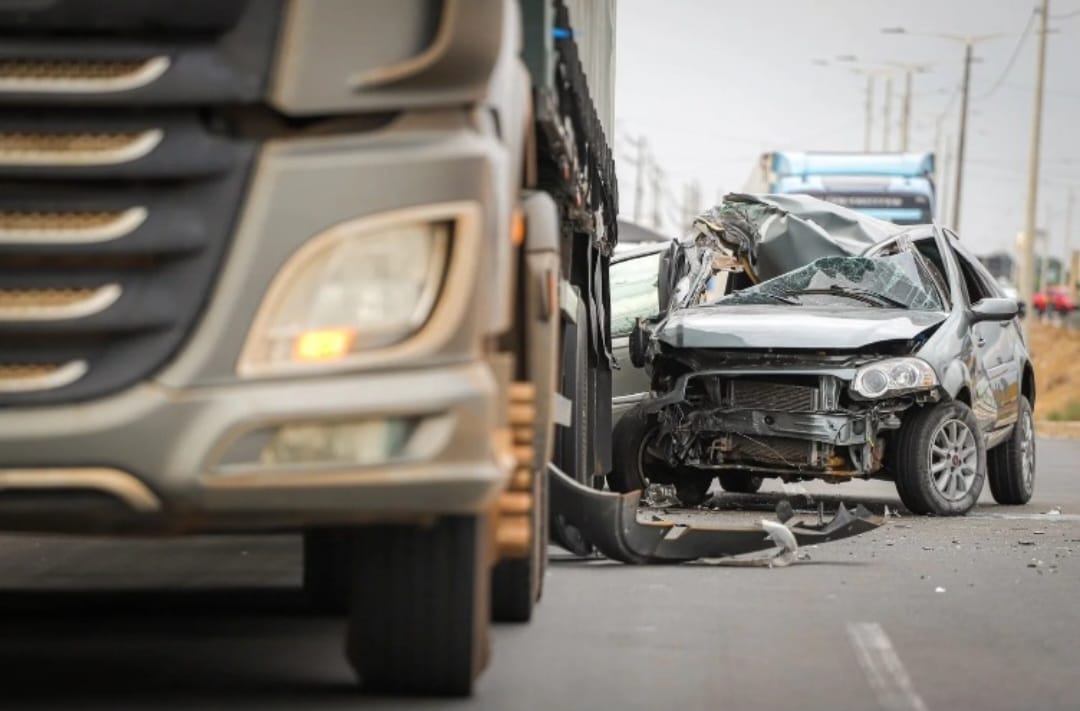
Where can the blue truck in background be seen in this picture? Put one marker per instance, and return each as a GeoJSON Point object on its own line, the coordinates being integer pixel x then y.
{"type": "Point", "coordinates": [898, 187]}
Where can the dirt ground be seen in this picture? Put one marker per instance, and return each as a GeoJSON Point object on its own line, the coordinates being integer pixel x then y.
{"type": "Point", "coordinates": [1056, 355]}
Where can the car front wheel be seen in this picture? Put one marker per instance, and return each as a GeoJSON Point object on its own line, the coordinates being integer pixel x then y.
{"type": "Point", "coordinates": [1011, 464]}
{"type": "Point", "coordinates": [940, 461]}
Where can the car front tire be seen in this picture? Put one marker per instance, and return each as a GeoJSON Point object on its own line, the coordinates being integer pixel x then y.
{"type": "Point", "coordinates": [633, 467]}
{"type": "Point", "coordinates": [940, 460]}
{"type": "Point", "coordinates": [1011, 465]}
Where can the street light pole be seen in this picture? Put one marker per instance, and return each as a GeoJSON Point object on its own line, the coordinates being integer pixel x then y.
{"type": "Point", "coordinates": [905, 130]}
{"type": "Point", "coordinates": [1028, 275]}
{"type": "Point", "coordinates": [887, 110]}
{"type": "Point", "coordinates": [867, 139]}
{"type": "Point", "coordinates": [961, 140]}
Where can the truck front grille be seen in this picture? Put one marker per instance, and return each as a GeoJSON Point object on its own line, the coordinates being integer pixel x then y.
{"type": "Point", "coordinates": [121, 178]}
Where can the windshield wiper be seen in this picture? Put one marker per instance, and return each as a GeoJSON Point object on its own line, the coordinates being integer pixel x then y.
{"type": "Point", "coordinates": [863, 295]}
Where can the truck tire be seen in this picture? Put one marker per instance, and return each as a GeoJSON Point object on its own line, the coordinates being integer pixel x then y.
{"type": "Point", "coordinates": [740, 482]}
{"type": "Point", "coordinates": [516, 584]}
{"type": "Point", "coordinates": [1011, 465]}
{"type": "Point", "coordinates": [633, 468]}
{"type": "Point", "coordinates": [327, 570]}
{"type": "Point", "coordinates": [940, 461]}
{"type": "Point", "coordinates": [419, 606]}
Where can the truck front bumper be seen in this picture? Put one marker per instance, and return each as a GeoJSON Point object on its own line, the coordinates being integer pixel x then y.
{"type": "Point", "coordinates": [155, 458]}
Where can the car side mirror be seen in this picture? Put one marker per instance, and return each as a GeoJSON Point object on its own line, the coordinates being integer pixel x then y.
{"type": "Point", "coordinates": [994, 309]}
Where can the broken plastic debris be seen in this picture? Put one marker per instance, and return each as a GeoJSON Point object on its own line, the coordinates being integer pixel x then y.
{"type": "Point", "coordinates": [660, 496]}
{"type": "Point", "coordinates": [889, 513]}
{"type": "Point", "coordinates": [1038, 533]}
{"type": "Point", "coordinates": [1056, 511]}
{"type": "Point", "coordinates": [1035, 563]}
{"type": "Point", "coordinates": [939, 589]}
{"type": "Point", "coordinates": [1026, 543]}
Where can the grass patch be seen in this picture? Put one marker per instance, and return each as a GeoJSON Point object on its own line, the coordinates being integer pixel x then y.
{"type": "Point", "coordinates": [1069, 413]}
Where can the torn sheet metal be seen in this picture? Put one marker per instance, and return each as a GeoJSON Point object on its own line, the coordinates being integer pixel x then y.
{"type": "Point", "coordinates": [776, 234]}
{"type": "Point", "coordinates": [609, 521]}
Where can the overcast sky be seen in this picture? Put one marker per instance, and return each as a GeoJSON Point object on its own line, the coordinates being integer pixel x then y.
{"type": "Point", "coordinates": [713, 83]}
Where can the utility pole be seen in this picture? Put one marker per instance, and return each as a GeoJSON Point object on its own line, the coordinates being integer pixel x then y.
{"type": "Point", "coordinates": [641, 163]}
{"type": "Point", "coordinates": [961, 140]}
{"type": "Point", "coordinates": [905, 130]}
{"type": "Point", "coordinates": [656, 195]}
{"type": "Point", "coordinates": [1028, 275]}
{"type": "Point", "coordinates": [1070, 253]}
{"type": "Point", "coordinates": [886, 118]}
{"type": "Point", "coordinates": [867, 139]}
{"type": "Point", "coordinates": [944, 193]}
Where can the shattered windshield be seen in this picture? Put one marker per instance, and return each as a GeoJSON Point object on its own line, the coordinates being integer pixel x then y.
{"type": "Point", "coordinates": [893, 281]}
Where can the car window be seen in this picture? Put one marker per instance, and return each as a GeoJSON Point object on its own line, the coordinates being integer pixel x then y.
{"type": "Point", "coordinates": [976, 288]}
{"type": "Point", "coordinates": [634, 292]}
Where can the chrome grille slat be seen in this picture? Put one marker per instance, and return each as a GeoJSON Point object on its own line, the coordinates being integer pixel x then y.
{"type": "Point", "coordinates": [76, 149]}
{"type": "Point", "coordinates": [21, 378]}
{"type": "Point", "coordinates": [68, 227]}
{"type": "Point", "coordinates": [74, 76]}
{"type": "Point", "coordinates": [52, 304]}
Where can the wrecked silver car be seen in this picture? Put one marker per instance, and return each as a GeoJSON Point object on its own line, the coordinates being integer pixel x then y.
{"type": "Point", "coordinates": [840, 347]}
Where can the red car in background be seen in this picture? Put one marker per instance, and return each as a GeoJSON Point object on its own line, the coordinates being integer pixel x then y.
{"type": "Point", "coordinates": [1056, 298]}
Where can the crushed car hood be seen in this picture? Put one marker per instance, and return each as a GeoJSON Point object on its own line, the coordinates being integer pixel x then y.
{"type": "Point", "coordinates": [766, 326]}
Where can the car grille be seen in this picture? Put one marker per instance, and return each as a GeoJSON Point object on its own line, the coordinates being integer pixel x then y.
{"type": "Point", "coordinates": [121, 179]}
{"type": "Point", "coordinates": [773, 450]}
{"type": "Point", "coordinates": [762, 395]}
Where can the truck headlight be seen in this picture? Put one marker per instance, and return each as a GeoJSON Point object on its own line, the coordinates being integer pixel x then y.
{"type": "Point", "coordinates": [359, 286]}
{"type": "Point", "coordinates": [894, 376]}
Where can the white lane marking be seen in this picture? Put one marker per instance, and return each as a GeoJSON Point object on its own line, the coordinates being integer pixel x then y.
{"type": "Point", "coordinates": [883, 668]}
{"type": "Point", "coordinates": [1027, 517]}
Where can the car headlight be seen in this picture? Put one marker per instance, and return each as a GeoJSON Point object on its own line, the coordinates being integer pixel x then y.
{"type": "Point", "coordinates": [894, 376]}
{"type": "Point", "coordinates": [360, 285]}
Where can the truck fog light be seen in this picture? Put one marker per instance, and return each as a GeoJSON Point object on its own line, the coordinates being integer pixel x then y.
{"type": "Point", "coordinates": [355, 443]}
{"type": "Point", "coordinates": [358, 286]}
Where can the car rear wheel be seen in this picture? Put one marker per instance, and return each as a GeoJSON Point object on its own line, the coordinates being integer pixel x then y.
{"type": "Point", "coordinates": [940, 461]}
{"type": "Point", "coordinates": [1011, 465]}
{"type": "Point", "coordinates": [419, 606]}
{"type": "Point", "coordinates": [740, 482]}
{"type": "Point", "coordinates": [636, 461]}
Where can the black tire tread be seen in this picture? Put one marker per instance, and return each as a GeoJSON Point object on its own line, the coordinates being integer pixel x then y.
{"type": "Point", "coordinates": [420, 606]}
{"type": "Point", "coordinates": [1005, 470]}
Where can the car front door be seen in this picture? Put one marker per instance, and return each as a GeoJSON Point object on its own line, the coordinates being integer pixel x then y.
{"type": "Point", "coordinates": [634, 295]}
{"type": "Point", "coordinates": [994, 341]}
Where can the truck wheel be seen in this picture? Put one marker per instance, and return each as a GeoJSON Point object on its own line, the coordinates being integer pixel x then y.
{"type": "Point", "coordinates": [940, 460]}
{"type": "Point", "coordinates": [327, 570]}
{"type": "Point", "coordinates": [740, 482]}
{"type": "Point", "coordinates": [634, 466]}
{"type": "Point", "coordinates": [419, 612]}
{"type": "Point", "coordinates": [516, 584]}
{"type": "Point", "coordinates": [1011, 465]}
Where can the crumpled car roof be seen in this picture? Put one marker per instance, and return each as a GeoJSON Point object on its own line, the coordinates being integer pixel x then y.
{"type": "Point", "coordinates": [775, 234]}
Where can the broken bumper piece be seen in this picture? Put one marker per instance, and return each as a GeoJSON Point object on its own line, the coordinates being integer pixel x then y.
{"type": "Point", "coordinates": [609, 521]}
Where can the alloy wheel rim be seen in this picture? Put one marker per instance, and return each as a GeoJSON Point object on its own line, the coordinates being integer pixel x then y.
{"type": "Point", "coordinates": [954, 459]}
{"type": "Point", "coordinates": [1027, 450]}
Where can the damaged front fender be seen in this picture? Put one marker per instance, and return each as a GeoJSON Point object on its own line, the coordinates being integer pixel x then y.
{"type": "Point", "coordinates": [609, 521]}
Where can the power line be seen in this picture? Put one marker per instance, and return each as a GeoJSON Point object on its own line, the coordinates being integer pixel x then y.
{"type": "Point", "coordinates": [1012, 59]}
{"type": "Point", "coordinates": [1065, 15]}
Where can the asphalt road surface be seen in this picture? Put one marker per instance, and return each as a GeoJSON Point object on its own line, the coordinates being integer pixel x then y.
{"type": "Point", "coordinates": [981, 612]}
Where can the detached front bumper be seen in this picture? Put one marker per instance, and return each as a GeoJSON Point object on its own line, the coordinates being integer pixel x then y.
{"type": "Point", "coordinates": [160, 459]}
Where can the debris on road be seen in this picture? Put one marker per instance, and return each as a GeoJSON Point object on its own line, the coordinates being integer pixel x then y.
{"type": "Point", "coordinates": [939, 589]}
{"type": "Point", "coordinates": [1035, 563]}
{"type": "Point", "coordinates": [660, 496]}
{"type": "Point", "coordinates": [1056, 511]}
{"type": "Point", "coordinates": [1026, 543]}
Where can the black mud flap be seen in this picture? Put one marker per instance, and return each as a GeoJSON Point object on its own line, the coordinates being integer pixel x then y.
{"type": "Point", "coordinates": [609, 521]}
